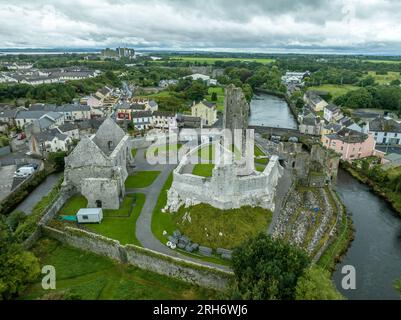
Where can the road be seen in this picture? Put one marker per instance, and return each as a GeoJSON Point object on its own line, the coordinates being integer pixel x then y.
{"type": "Point", "coordinates": [144, 232]}
{"type": "Point", "coordinates": [43, 189]}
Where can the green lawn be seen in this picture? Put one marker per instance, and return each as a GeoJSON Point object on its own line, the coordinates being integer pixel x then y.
{"type": "Point", "coordinates": [163, 221]}
{"type": "Point", "coordinates": [84, 275]}
{"type": "Point", "coordinates": [211, 60]}
{"type": "Point", "coordinates": [203, 170]}
{"type": "Point", "coordinates": [141, 179]}
{"type": "Point", "coordinates": [116, 224]}
{"type": "Point", "coordinates": [220, 97]}
{"type": "Point", "coordinates": [121, 228]}
{"type": "Point", "coordinates": [235, 225]}
{"type": "Point", "coordinates": [335, 90]}
{"type": "Point", "coordinates": [384, 79]}
{"type": "Point", "coordinates": [72, 205]}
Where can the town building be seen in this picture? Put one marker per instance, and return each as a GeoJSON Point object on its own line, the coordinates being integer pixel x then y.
{"type": "Point", "coordinates": [385, 130]}
{"type": "Point", "coordinates": [206, 79]}
{"type": "Point", "coordinates": [71, 112]}
{"type": "Point", "coordinates": [41, 119]}
{"type": "Point", "coordinates": [314, 101]}
{"type": "Point", "coordinates": [332, 113]}
{"type": "Point", "coordinates": [350, 144]}
{"type": "Point", "coordinates": [142, 119]}
{"type": "Point", "coordinates": [205, 110]}
{"type": "Point", "coordinates": [165, 120]}
{"type": "Point", "coordinates": [49, 141]}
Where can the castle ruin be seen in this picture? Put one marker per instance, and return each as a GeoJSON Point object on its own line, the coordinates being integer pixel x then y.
{"type": "Point", "coordinates": [97, 167]}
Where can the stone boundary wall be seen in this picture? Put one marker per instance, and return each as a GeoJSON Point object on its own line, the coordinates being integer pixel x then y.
{"type": "Point", "coordinates": [138, 143]}
{"type": "Point", "coordinates": [187, 271]}
{"type": "Point", "coordinates": [340, 212]}
{"type": "Point", "coordinates": [51, 212]}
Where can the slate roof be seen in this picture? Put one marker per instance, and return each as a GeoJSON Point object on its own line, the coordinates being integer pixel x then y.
{"type": "Point", "coordinates": [108, 132]}
{"type": "Point", "coordinates": [208, 104]}
{"type": "Point", "coordinates": [49, 135]}
{"type": "Point", "coordinates": [348, 136]}
{"type": "Point", "coordinates": [333, 108]}
{"type": "Point", "coordinates": [142, 114]}
{"type": "Point", "coordinates": [164, 114]}
{"type": "Point", "coordinates": [384, 125]}
{"type": "Point", "coordinates": [68, 126]}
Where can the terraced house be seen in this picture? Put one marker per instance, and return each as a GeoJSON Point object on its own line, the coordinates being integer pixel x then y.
{"type": "Point", "coordinates": [385, 130]}
{"type": "Point", "coordinates": [350, 144]}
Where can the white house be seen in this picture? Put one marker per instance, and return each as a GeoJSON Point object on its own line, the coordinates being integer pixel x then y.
{"type": "Point", "coordinates": [385, 130]}
{"type": "Point", "coordinates": [49, 141]}
{"type": "Point", "coordinates": [198, 76]}
{"type": "Point", "coordinates": [142, 119]}
{"type": "Point", "coordinates": [164, 120]}
{"type": "Point", "coordinates": [332, 113]}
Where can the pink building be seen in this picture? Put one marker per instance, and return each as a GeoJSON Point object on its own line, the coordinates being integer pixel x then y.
{"type": "Point", "coordinates": [350, 144]}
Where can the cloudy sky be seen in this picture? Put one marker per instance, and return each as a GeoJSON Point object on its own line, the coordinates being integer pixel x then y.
{"type": "Point", "coordinates": [369, 26]}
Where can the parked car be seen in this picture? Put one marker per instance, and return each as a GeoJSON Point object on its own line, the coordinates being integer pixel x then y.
{"type": "Point", "coordinates": [24, 172]}
{"type": "Point", "coordinates": [33, 165]}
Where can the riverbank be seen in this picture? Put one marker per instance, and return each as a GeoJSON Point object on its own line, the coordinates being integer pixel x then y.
{"type": "Point", "coordinates": [390, 197]}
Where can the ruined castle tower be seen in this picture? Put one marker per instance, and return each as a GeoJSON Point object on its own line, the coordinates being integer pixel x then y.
{"type": "Point", "coordinates": [236, 114]}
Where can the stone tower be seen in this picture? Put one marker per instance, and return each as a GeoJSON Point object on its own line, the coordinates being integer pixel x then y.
{"type": "Point", "coordinates": [236, 114]}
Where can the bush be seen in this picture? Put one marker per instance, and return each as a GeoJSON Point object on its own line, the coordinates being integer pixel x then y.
{"type": "Point", "coordinates": [267, 268]}
{"type": "Point", "coordinates": [316, 284]}
{"type": "Point", "coordinates": [10, 203]}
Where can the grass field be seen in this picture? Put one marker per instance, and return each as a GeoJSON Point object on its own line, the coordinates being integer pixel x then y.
{"type": "Point", "coordinates": [163, 221]}
{"type": "Point", "coordinates": [335, 90]}
{"type": "Point", "coordinates": [220, 97]}
{"type": "Point", "coordinates": [84, 275]}
{"type": "Point", "coordinates": [121, 228]}
{"type": "Point", "coordinates": [203, 170]}
{"type": "Point", "coordinates": [211, 60]}
{"type": "Point", "coordinates": [383, 61]}
{"type": "Point", "coordinates": [141, 179]}
{"type": "Point", "coordinates": [217, 228]}
{"type": "Point", "coordinates": [386, 78]}
{"type": "Point", "coordinates": [116, 224]}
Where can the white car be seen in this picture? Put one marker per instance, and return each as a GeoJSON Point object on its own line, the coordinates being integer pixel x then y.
{"type": "Point", "coordinates": [24, 172]}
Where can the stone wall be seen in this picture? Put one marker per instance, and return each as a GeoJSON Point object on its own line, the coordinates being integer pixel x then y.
{"type": "Point", "coordinates": [143, 258]}
{"type": "Point", "coordinates": [225, 190]}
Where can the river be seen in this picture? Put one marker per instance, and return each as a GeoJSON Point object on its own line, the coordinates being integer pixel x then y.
{"type": "Point", "coordinates": [271, 111]}
{"type": "Point", "coordinates": [376, 251]}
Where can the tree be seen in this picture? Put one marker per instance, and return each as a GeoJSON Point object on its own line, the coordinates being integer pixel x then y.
{"type": "Point", "coordinates": [316, 284]}
{"type": "Point", "coordinates": [18, 267]}
{"type": "Point", "coordinates": [266, 268]}
{"type": "Point", "coordinates": [214, 96]}
{"type": "Point", "coordinates": [58, 159]}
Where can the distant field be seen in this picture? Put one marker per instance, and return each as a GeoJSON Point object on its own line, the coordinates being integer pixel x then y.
{"type": "Point", "coordinates": [334, 89]}
{"type": "Point", "coordinates": [383, 61]}
{"type": "Point", "coordinates": [386, 78]}
{"type": "Point", "coordinates": [213, 60]}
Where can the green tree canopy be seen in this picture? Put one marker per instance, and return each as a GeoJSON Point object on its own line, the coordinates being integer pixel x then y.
{"type": "Point", "coordinates": [265, 268]}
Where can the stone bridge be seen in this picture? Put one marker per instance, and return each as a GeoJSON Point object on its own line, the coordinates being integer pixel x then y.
{"type": "Point", "coordinates": [277, 131]}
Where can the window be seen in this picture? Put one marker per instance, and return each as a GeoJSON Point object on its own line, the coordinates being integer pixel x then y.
{"type": "Point", "coordinates": [110, 144]}
{"type": "Point", "coordinates": [85, 218]}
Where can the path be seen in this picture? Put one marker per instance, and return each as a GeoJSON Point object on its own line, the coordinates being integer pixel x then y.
{"type": "Point", "coordinates": [36, 195]}
{"type": "Point", "coordinates": [144, 232]}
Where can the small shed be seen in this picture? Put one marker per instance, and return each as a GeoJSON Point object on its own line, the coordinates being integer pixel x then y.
{"type": "Point", "coordinates": [90, 215]}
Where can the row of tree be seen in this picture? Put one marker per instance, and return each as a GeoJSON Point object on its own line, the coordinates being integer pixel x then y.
{"type": "Point", "coordinates": [382, 97]}
{"type": "Point", "coordinates": [57, 93]}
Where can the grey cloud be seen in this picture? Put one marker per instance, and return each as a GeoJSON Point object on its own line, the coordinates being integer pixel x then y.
{"type": "Point", "coordinates": [247, 24]}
